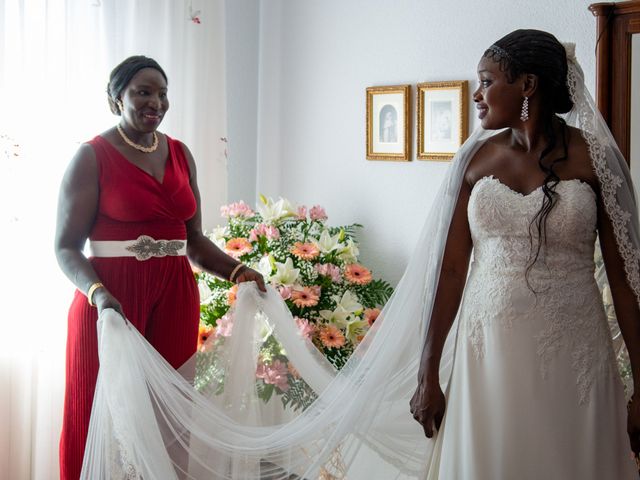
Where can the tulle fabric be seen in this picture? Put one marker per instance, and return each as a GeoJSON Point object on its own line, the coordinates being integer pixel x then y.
{"type": "Point", "coordinates": [207, 422]}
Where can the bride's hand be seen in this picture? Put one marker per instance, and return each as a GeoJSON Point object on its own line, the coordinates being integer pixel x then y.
{"type": "Point", "coordinates": [633, 423]}
{"type": "Point", "coordinates": [427, 406]}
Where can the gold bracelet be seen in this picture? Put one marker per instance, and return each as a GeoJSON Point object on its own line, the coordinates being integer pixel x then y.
{"type": "Point", "coordinates": [235, 270]}
{"type": "Point", "coordinates": [91, 291]}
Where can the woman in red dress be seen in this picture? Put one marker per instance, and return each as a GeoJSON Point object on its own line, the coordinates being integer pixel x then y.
{"type": "Point", "coordinates": [132, 191]}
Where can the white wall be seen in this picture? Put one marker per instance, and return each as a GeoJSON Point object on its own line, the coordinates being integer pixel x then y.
{"type": "Point", "coordinates": [316, 59]}
{"type": "Point", "coordinates": [242, 21]}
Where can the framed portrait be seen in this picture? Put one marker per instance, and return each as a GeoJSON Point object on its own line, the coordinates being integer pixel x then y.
{"type": "Point", "coordinates": [388, 125]}
{"type": "Point", "coordinates": [443, 119]}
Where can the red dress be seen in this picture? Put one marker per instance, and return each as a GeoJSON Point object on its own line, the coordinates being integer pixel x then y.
{"type": "Point", "coordinates": [159, 296]}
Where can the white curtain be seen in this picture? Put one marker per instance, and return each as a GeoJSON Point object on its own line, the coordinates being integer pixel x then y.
{"type": "Point", "coordinates": [55, 58]}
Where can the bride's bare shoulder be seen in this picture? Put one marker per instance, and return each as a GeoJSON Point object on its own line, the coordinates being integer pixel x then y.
{"type": "Point", "coordinates": [487, 158]}
{"type": "Point", "coordinates": [579, 155]}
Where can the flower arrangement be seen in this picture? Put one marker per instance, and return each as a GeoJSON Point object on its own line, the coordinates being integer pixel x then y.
{"type": "Point", "coordinates": [333, 298]}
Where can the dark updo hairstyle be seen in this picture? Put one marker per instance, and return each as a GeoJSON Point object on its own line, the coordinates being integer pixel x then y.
{"type": "Point", "coordinates": [122, 74]}
{"type": "Point", "coordinates": [541, 54]}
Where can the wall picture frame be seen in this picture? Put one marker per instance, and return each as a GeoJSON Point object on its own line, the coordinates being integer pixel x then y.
{"type": "Point", "coordinates": [443, 119]}
{"type": "Point", "coordinates": [388, 124]}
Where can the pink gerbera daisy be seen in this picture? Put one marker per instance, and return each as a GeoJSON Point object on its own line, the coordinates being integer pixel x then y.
{"type": "Point", "coordinates": [331, 336]}
{"type": "Point", "coordinates": [305, 251]}
{"type": "Point", "coordinates": [305, 297]}
{"type": "Point", "coordinates": [356, 273]}
{"type": "Point", "coordinates": [236, 247]}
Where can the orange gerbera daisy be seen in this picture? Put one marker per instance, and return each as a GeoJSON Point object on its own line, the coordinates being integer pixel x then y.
{"type": "Point", "coordinates": [236, 247]}
{"type": "Point", "coordinates": [204, 332]}
{"type": "Point", "coordinates": [371, 314]}
{"type": "Point", "coordinates": [305, 251]}
{"type": "Point", "coordinates": [306, 297]}
{"type": "Point", "coordinates": [331, 336]}
{"type": "Point", "coordinates": [356, 273]}
{"type": "Point", "coordinates": [231, 295]}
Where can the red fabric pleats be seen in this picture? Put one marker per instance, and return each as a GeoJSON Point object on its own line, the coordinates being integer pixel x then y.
{"type": "Point", "coordinates": [160, 298]}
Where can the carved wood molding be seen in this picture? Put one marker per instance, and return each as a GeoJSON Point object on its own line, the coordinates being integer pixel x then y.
{"type": "Point", "coordinates": [616, 23]}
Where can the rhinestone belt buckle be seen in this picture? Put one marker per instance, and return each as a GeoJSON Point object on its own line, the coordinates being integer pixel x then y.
{"type": "Point", "coordinates": [146, 247]}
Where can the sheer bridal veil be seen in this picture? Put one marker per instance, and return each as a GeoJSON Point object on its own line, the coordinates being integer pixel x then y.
{"type": "Point", "coordinates": [207, 422]}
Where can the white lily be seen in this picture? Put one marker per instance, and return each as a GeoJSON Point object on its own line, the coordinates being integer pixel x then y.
{"type": "Point", "coordinates": [354, 329]}
{"type": "Point", "coordinates": [350, 252]}
{"type": "Point", "coordinates": [285, 273]}
{"type": "Point", "coordinates": [327, 243]}
{"type": "Point", "coordinates": [346, 307]}
{"type": "Point", "coordinates": [217, 236]}
{"type": "Point", "coordinates": [265, 266]}
{"type": "Point", "coordinates": [205, 291]}
{"type": "Point", "coordinates": [339, 316]}
{"type": "Point", "coordinates": [273, 211]}
{"type": "Point", "coordinates": [265, 328]}
{"type": "Point", "coordinates": [349, 302]}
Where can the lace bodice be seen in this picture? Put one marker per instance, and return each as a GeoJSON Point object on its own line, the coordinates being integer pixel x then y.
{"type": "Point", "coordinates": [558, 298]}
{"type": "Point", "coordinates": [500, 219]}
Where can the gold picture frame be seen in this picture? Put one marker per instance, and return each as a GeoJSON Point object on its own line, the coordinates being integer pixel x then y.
{"type": "Point", "coordinates": [443, 119]}
{"type": "Point", "coordinates": [388, 124]}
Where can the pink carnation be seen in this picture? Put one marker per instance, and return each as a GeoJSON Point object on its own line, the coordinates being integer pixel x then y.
{"type": "Point", "coordinates": [274, 373]}
{"type": "Point", "coordinates": [285, 292]}
{"type": "Point", "coordinates": [306, 328]}
{"type": "Point", "coordinates": [262, 230]}
{"type": "Point", "coordinates": [329, 270]}
{"type": "Point", "coordinates": [224, 326]}
{"type": "Point", "coordinates": [317, 213]}
{"type": "Point", "coordinates": [237, 209]}
{"type": "Point", "coordinates": [302, 213]}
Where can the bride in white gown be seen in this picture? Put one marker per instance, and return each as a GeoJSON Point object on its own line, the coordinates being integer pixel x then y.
{"type": "Point", "coordinates": [532, 391]}
{"type": "Point", "coordinates": [535, 391]}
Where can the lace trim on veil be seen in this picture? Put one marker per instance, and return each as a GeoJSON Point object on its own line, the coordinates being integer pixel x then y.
{"type": "Point", "coordinates": [609, 181]}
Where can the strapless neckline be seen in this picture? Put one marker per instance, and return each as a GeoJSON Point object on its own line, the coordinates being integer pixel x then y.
{"type": "Point", "coordinates": [491, 178]}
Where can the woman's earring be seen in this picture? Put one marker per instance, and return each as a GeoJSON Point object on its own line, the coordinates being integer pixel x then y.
{"type": "Point", "coordinates": [121, 106]}
{"type": "Point", "coordinates": [524, 116]}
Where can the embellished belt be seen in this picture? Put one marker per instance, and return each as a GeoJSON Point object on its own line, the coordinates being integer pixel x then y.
{"type": "Point", "coordinates": [143, 248]}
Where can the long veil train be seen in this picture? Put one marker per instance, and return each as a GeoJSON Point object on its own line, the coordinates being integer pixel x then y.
{"type": "Point", "coordinates": [207, 422]}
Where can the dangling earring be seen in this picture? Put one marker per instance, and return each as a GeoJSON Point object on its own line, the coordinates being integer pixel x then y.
{"type": "Point", "coordinates": [524, 116]}
{"type": "Point", "coordinates": [121, 106]}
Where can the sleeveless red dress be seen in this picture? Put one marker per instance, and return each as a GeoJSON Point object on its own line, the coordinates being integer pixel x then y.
{"type": "Point", "coordinates": [159, 296]}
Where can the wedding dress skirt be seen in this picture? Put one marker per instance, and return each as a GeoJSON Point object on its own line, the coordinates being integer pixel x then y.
{"type": "Point", "coordinates": [535, 393]}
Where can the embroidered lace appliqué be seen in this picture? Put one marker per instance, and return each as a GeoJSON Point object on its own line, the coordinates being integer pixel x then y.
{"type": "Point", "coordinates": [566, 307]}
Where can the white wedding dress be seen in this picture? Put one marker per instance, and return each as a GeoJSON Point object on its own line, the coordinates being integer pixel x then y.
{"type": "Point", "coordinates": [534, 392]}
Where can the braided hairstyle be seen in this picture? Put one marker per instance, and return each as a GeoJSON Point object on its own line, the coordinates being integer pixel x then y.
{"type": "Point", "coordinates": [540, 53]}
{"type": "Point", "coordinates": [122, 74]}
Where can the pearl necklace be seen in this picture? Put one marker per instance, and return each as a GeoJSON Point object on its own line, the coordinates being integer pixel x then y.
{"type": "Point", "coordinates": [137, 146]}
